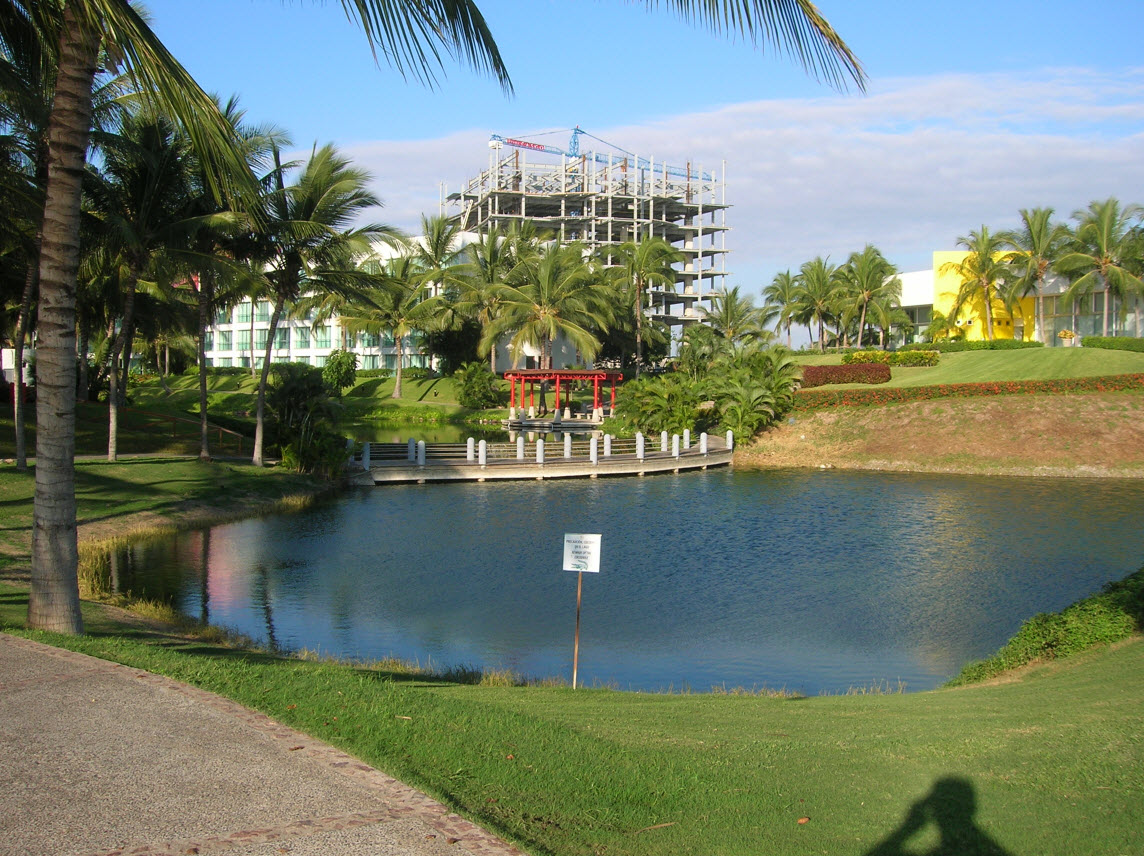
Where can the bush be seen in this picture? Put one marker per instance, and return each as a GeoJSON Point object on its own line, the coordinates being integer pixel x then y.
{"type": "Point", "coordinates": [418, 373]}
{"type": "Point", "coordinates": [893, 358]}
{"type": "Point", "coordinates": [1114, 614]}
{"type": "Point", "coordinates": [858, 373]}
{"type": "Point", "coordinates": [1114, 343]}
{"type": "Point", "coordinates": [820, 398]}
{"type": "Point", "coordinates": [476, 386]}
{"type": "Point", "coordinates": [364, 374]}
{"type": "Point", "coordinates": [958, 345]}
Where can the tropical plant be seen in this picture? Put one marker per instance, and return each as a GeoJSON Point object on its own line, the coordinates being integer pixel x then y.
{"type": "Point", "coordinates": [735, 317]}
{"type": "Point", "coordinates": [476, 386]}
{"type": "Point", "coordinates": [305, 415]}
{"type": "Point", "coordinates": [637, 266]}
{"type": "Point", "coordinates": [1101, 256]}
{"type": "Point", "coordinates": [782, 298]}
{"type": "Point", "coordinates": [872, 285]}
{"type": "Point", "coordinates": [817, 295]}
{"type": "Point", "coordinates": [982, 272]}
{"type": "Point", "coordinates": [1036, 247]}
{"type": "Point", "coordinates": [340, 371]}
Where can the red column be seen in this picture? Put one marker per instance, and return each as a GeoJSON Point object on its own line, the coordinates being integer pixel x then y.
{"type": "Point", "coordinates": [613, 395]}
{"type": "Point", "coordinates": [512, 393]}
{"type": "Point", "coordinates": [595, 393]}
{"type": "Point", "coordinates": [557, 395]}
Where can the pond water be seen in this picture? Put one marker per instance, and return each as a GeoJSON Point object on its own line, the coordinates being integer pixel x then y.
{"type": "Point", "coordinates": [812, 581]}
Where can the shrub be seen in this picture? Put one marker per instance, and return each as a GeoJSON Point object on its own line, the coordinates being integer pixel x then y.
{"type": "Point", "coordinates": [1114, 343]}
{"type": "Point", "coordinates": [958, 345]}
{"type": "Point", "coordinates": [476, 386]}
{"type": "Point", "coordinates": [820, 398]}
{"type": "Point", "coordinates": [1113, 614]}
{"type": "Point", "coordinates": [858, 373]}
{"type": "Point", "coordinates": [893, 358]}
{"type": "Point", "coordinates": [365, 374]}
{"type": "Point", "coordinates": [866, 357]}
{"type": "Point", "coordinates": [418, 373]}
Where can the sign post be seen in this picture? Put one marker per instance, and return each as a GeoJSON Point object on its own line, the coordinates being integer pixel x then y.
{"type": "Point", "coordinates": [582, 555]}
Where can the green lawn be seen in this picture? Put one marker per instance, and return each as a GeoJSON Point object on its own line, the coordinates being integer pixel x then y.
{"type": "Point", "coordinates": [1048, 764]}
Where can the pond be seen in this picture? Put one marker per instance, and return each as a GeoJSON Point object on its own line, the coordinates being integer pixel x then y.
{"type": "Point", "coordinates": [812, 581]}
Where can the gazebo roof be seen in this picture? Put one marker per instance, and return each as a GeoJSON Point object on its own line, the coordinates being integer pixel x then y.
{"type": "Point", "coordinates": [563, 374]}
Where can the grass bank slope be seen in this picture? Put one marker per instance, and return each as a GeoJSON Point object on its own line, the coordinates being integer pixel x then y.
{"type": "Point", "coordinates": [1082, 435]}
{"type": "Point", "coordinates": [1050, 763]}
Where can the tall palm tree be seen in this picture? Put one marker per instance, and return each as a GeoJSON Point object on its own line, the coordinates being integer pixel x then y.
{"type": "Point", "coordinates": [490, 263]}
{"type": "Point", "coordinates": [554, 294]}
{"type": "Point", "coordinates": [410, 35]}
{"type": "Point", "coordinates": [1037, 246]}
{"type": "Point", "coordinates": [735, 317]}
{"type": "Point", "coordinates": [641, 265]}
{"type": "Point", "coordinates": [982, 273]}
{"type": "Point", "coordinates": [870, 279]}
{"type": "Point", "coordinates": [309, 243]}
{"type": "Point", "coordinates": [781, 295]}
{"type": "Point", "coordinates": [1101, 256]}
{"type": "Point", "coordinates": [817, 295]}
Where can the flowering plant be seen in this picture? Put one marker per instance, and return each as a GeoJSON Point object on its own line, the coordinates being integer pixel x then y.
{"type": "Point", "coordinates": [1066, 334]}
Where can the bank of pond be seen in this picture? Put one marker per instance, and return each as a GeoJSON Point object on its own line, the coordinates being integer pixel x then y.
{"type": "Point", "coordinates": [803, 581]}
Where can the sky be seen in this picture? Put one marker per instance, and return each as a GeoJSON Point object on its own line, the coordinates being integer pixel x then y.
{"type": "Point", "coordinates": [973, 111]}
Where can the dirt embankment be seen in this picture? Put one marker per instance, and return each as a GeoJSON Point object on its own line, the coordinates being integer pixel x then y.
{"type": "Point", "coordinates": [1092, 435]}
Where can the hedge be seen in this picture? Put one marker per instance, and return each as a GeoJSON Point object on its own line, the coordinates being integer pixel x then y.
{"type": "Point", "coordinates": [859, 373]}
{"type": "Point", "coordinates": [958, 345]}
{"type": "Point", "coordinates": [823, 398]}
{"type": "Point", "coordinates": [893, 358]}
{"type": "Point", "coordinates": [1114, 343]}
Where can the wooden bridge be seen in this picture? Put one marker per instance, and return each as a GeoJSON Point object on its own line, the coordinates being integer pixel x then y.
{"type": "Point", "coordinates": [384, 463]}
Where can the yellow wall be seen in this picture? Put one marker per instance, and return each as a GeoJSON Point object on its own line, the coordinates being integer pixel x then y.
{"type": "Point", "coordinates": [972, 317]}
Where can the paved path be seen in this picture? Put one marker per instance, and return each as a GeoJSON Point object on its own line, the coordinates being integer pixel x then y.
{"type": "Point", "coordinates": [98, 759]}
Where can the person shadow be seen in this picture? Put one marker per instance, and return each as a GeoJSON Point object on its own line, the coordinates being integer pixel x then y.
{"type": "Point", "coordinates": [950, 806]}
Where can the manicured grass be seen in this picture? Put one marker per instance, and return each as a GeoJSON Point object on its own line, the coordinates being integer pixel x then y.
{"type": "Point", "coordinates": [1053, 761]}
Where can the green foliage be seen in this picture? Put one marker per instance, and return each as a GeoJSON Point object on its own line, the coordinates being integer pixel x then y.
{"type": "Point", "coordinates": [418, 373]}
{"type": "Point", "coordinates": [340, 370]}
{"type": "Point", "coordinates": [958, 345]}
{"type": "Point", "coordinates": [1114, 614]}
{"type": "Point", "coordinates": [817, 399]}
{"type": "Point", "coordinates": [476, 386]}
{"type": "Point", "coordinates": [364, 374]}
{"type": "Point", "coordinates": [813, 376]}
{"type": "Point", "coordinates": [305, 416]}
{"type": "Point", "coordinates": [1114, 343]}
{"type": "Point", "coordinates": [927, 357]}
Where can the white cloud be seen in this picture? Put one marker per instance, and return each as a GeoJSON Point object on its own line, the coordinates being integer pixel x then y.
{"type": "Point", "coordinates": [909, 167]}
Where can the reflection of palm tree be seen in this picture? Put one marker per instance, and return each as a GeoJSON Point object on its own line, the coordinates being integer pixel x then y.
{"type": "Point", "coordinates": [950, 806]}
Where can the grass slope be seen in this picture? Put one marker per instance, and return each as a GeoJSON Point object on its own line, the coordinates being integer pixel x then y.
{"type": "Point", "coordinates": [1049, 763]}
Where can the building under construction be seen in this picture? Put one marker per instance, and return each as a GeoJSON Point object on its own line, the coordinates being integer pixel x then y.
{"type": "Point", "coordinates": [608, 197]}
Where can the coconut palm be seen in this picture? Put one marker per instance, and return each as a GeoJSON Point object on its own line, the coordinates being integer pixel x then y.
{"type": "Point", "coordinates": [735, 317]}
{"type": "Point", "coordinates": [869, 279]}
{"type": "Point", "coordinates": [817, 295]}
{"type": "Point", "coordinates": [1101, 256]}
{"type": "Point", "coordinates": [781, 296]}
{"type": "Point", "coordinates": [411, 36]}
{"type": "Point", "coordinates": [1036, 247]}
{"type": "Point", "coordinates": [638, 266]}
{"type": "Point", "coordinates": [490, 263]}
{"type": "Point", "coordinates": [982, 273]}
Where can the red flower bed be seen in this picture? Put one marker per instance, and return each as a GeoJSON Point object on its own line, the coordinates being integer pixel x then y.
{"type": "Point", "coordinates": [822, 398]}
{"type": "Point", "coordinates": [856, 373]}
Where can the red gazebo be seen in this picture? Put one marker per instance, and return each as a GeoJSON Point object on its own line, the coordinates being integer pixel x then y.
{"type": "Point", "coordinates": [530, 377]}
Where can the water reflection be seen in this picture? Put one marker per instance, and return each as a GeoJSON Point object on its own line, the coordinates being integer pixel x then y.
{"type": "Point", "coordinates": [812, 581]}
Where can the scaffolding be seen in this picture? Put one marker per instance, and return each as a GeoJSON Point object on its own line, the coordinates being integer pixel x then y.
{"type": "Point", "coordinates": [608, 198]}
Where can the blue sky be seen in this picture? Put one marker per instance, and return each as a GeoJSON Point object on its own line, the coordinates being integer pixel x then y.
{"type": "Point", "coordinates": [974, 110]}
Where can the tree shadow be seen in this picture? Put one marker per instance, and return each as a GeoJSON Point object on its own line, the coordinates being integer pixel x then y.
{"type": "Point", "coordinates": [950, 806]}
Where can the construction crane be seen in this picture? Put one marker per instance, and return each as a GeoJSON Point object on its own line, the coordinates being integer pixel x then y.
{"type": "Point", "coordinates": [573, 151]}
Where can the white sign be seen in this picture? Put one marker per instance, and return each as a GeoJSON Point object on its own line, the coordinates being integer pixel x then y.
{"type": "Point", "coordinates": [582, 553]}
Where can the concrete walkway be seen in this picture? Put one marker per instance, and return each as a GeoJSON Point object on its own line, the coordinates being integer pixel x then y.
{"type": "Point", "coordinates": [98, 759]}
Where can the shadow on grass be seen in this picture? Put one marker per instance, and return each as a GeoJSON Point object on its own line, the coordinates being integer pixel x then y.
{"type": "Point", "coordinates": [950, 806]}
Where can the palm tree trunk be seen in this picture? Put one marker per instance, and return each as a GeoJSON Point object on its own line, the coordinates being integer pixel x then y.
{"type": "Point", "coordinates": [260, 412]}
{"type": "Point", "coordinates": [82, 384]}
{"type": "Point", "coordinates": [53, 601]}
{"type": "Point", "coordinates": [861, 326]}
{"type": "Point", "coordinates": [639, 326]}
{"type": "Point", "coordinates": [118, 349]}
{"type": "Point", "coordinates": [988, 301]}
{"type": "Point", "coordinates": [1042, 334]}
{"type": "Point", "coordinates": [206, 291]}
{"type": "Point", "coordinates": [1104, 327]}
{"type": "Point", "coordinates": [397, 344]}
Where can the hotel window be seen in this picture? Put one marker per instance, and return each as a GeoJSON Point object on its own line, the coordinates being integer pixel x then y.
{"type": "Point", "coordinates": [301, 337]}
{"type": "Point", "coordinates": [222, 317]}
{"type": "Point", "coordinates": [242, 342]}
{"type": "Point", "coordinates": [224, 340]}
{"type": "Point", "coordinates": [318, 361]}
{"type": "Point", "coordinates": [223, 362]}
{"type": "Point", "coordinates": [208, 340]}
{"type": "Point", "coordinates": [370, 340]}
{"type": "Point", "coordinates": [322, 338]}
{"type": "Point", "coordinates": [242, 313]}
{"type": "Point", "coordinates": [282, 338]}
{"type": "Point", "coordinates": [262, 312]}
{"type": "Point", "coordinates": [260, 339]}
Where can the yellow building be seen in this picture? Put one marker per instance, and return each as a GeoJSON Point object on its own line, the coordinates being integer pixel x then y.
{"type": "Point", "coordinates": [1021, 324]}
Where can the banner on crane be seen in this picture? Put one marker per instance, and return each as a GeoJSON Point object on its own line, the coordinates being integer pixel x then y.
{"type": "Point", "coordinates": [524, 144]}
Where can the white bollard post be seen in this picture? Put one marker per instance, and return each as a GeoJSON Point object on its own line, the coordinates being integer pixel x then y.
{"type": "Point", "coordinates": [365, 456]}
{"type": "Point", "coordinates": [675, 445]}
{"type": "Point", "coordinates": [532, 412]}
{"type": "Point", "coordinates": [594, 450]}
{"type": "Point", "coordinates": [686, 438]}
{"type": "Point", "coordinates": [540, 451]}
{"type": "Point", "coordinates": [512, 414]}
{"type": "Point", "coordinates": [483, 453]}
{"type": "Point", "coordinates": [567, 446]}
{"type": "Point", "coordinates": [412, 449]}
{"type": "Point", "coordinates": [420, 453]}
{"type": "Point", "coordinates": [663, 441]}
{"type": "Point", "coordinates": [607, 445]}
{"type": "Point", "coordinates": [556, 417]}
{"type": "Point", "coordinates": [470, 449]}
{"type": "Point", "coordinates": [639, 446]}
{"type": "Point", "coordinates": [730, 440]}
{"type": "Point", "coordinates": [703, 444]}
{"type": "Point", "coordinates": [520, 447]}
{"type": "Point", "coordinates": [567, 412]}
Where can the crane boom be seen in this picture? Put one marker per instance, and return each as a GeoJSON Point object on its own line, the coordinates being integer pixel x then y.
{"type": "Point", "coordinates": [573, 151]}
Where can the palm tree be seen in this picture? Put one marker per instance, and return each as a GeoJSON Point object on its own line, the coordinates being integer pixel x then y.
{"type": "Point", "coordinates": [1037, 246]}
{"type": "Point", "coordinates": [554, 294]}
{"type": "Point", "coordinates": [817, 294]}
{"type": "Point", "coordinates": [310, 247]}
{"type": "Point", "coordinates": [735, 317]}
{"type": "Point", "coordinates": [870, 278]}
{"type": "Point", "coordinates": [1101, 254]}
{"type": "Point", "coordinates": [982, 273]}
{"type": "Point", "coordinates": [491, 262]}
{"type": "Point", "coordinates": [782, 295]}
{"type": "Point", "coordinates": [640, 265]}
{"type": "Point", "coordinates": [411, 36]}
